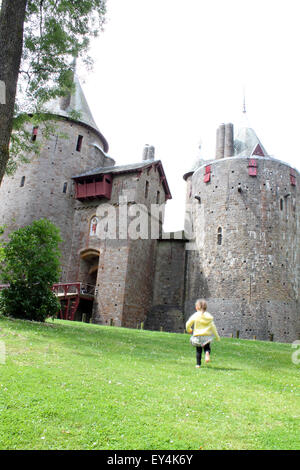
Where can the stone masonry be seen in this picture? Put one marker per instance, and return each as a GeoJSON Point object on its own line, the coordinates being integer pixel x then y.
{"type": "Point", "coordinates": [246, 260]}
{"type": "Point", "coordinates": [240, 248]}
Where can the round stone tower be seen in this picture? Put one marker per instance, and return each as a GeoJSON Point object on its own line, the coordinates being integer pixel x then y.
{"type": "Point", "coordinates": [245, 260]}
{"type": "Point", "coordinates": [43, 188]}
{"type": "Point", "coordinates": [188, 177]}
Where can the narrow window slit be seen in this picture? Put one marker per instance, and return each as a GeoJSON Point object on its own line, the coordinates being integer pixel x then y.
{"type": "Point", "coordinates": [147, 189]}
{"type": "Point", "coordinates": [220, 236]}
{"type": "Point", "coordinates": [281, 204]}
{"type": "Point", "coordinates": [79, 143]}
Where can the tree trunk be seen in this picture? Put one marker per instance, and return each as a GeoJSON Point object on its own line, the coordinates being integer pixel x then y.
{"type": "Point", "coordinates": [12, 17]}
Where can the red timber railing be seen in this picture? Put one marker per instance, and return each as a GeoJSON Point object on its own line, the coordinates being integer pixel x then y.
{"type": "Point", "coordinates": [69, 295]}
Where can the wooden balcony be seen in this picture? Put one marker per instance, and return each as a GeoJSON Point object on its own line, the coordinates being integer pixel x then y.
{"type": "Point", "coordinates": [98, 187]}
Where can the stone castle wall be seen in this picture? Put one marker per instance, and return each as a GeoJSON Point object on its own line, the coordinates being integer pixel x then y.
{"type": "Point", "coordinates": [42, 194]}
{"type": "Point", "coordinates": [245, 259]}
{"type": "Point", "coordinates": [250, 279]}
{"type": "Point", "coordinates": [126, 266]}
{"type": "Point", "coordinates": [169, 282]}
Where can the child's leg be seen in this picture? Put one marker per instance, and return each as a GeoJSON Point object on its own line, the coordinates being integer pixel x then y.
{"type": "Point", "coordinates": [207, 352]}
{"type": "Point", "coordinates": [198, 355]}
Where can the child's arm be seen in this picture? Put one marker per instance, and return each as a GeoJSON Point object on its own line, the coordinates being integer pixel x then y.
{"type": "Point", "coordinates": [189, 325]}
{"type": "Point", "coordinates": [214, 329]}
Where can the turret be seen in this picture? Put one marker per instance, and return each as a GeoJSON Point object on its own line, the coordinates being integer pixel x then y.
{"type": "Point", "coordinates": [44, 188]}
{"type": "Point", "coordinates": [76, 103]}
{"type": "Point", "coordinates": [245, 259]}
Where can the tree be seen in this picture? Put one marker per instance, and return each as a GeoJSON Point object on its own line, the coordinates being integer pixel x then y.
{"type": "Point", "coordinates": [11, 45]}
{"type": "Point", "coordinates": [38, 40]}
{"type": "Point", "coordinates": [30, 265]}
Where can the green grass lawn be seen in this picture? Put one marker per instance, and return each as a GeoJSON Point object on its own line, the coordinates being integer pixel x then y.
{"type": "Point", "coordinates": [68, 385]}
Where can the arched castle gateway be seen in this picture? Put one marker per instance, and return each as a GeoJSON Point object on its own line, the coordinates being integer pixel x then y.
{"type": "Point", "coordinates": [242, 207]}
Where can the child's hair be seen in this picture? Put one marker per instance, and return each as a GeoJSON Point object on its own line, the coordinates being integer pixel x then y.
{"type": "Point", "coordinates": [201, 304]}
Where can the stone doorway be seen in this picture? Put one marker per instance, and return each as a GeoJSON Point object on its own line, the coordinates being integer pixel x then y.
{"type": "Point", "coordinates": [92, 274]}
{"type": "Point", "coordinates": [89, 262]}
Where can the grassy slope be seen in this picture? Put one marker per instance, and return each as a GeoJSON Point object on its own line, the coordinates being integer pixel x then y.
{"type": "Point", "coordinates": [79, 386]}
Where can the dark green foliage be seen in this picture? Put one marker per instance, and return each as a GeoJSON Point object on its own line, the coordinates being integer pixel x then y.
{"type": "Point", "coordinates": [30, 265]}
{"type": "Point", "coordinates": [55, 32]}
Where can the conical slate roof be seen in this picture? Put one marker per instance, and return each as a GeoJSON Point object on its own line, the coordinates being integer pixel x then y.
{"type": "Point", "coordinates": [246, 143]}
{"type": "Point", "coordinates": [77, 102]}
{"type": "Point", "coordinates": [198, 161]}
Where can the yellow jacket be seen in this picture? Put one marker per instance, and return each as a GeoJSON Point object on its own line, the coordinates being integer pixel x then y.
{"type": "Point", "coordinates": [202, 324]}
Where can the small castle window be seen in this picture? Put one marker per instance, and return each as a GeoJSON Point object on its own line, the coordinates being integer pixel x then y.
{"type": "Point", "coordinates": [281, 204]}
{"type": "Point", "coordinates": [147, 189]}
{"type": "Point", "coordinates": [79, 143]}
{"type": "Point", "coordinates": [22, 181]}
{"type": "Point", "coordinates": [157, 197]}
{"type": "Point", "coordinates": [219, 236]}
{"type": "Point", "coordinates": [34, 134]}
{"type": "Point", "coordinates": [65, 188]}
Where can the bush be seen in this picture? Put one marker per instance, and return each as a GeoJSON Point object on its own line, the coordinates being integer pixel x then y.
{"type": "Point", "coordinates": [30, 265]}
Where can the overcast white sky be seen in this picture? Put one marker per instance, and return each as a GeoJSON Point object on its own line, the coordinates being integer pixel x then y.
{"type": "Point", "coordinates": [168, 72]}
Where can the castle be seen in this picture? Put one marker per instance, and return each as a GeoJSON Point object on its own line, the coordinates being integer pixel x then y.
{"type": "Point", "coordinates": [239, 249]}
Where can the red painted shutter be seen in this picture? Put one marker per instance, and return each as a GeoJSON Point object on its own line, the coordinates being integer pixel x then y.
{"type": "Point", "coordinates": [252, 170]}
{"type": "Point", "coordinates": [293, 177]}
{"type": "Point", "coordinates": [207, 174]}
